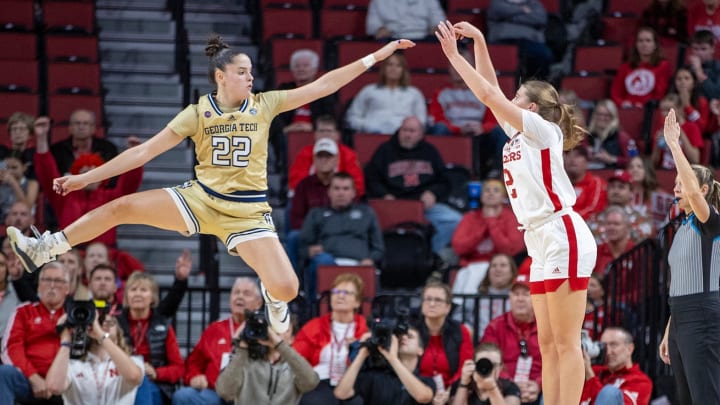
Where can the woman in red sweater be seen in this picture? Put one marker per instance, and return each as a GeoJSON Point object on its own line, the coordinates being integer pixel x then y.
{"type": "Point", "coordinates": [646, 74]}
{"type": "Point", "coordinates": [324, 341]}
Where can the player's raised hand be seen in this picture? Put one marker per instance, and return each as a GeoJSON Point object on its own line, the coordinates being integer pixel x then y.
{"type": "Point", "coordinates": [446, 35]}
{"type": "Point", "coordinates": [672, 129]}
{"type": "Point", "coordinates": [464, 29]}
{"type": "Point", "coordinates": [67, 184]}
{"type": "Point", "coordinates": [391, 47]}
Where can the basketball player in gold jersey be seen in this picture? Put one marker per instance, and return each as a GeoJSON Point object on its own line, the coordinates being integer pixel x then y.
{"type": "Point", "coordinates": [229, 197]}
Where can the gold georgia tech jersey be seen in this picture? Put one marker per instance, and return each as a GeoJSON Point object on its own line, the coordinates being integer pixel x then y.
{"type": "Point", "coordinates": [231, 146]}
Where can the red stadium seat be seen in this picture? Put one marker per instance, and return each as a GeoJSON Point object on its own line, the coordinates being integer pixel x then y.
{"type": "Point", "coordinates": [508, 84]}
{"type": "Point", "coordinates": [14, 102]}
{"type": "Point", "coordinates": [349, 51]}
{"type": "Point", "coordinates": [365, 145]}
{"type": "Point", "coordinates": [350, 90]}
{"type": "Point", "coordinates": [283, 48]}
{"type": "Point", "coordinates": [69, 16]}
{"type": "Point", "coordinates": [74, 78]}
{"type": "Point", "coordinates": [71, 48]}
{"type": "Point", "coordinates": [427, 57]}
{"type": "Point", "coordinates": [588, 88]}
{"type": "Point", "coordinates": [454, 6]}
{"type": "Point", "coordinates": [504, 58]}
{"type": "Point", "coordinates": [18, 46]}
{"type": "Point", "coordinates": [346, 4]}
{"type": "Point", "coordinates": [288, 23]}
{"type": "Point", "coordinates": [393, 212]}
{"type": "Point", "coordinates": [17, 15]}
{"type": "Point", "coordinates": [671, 52]}
{"type": "Point", "coordinates": [453, 149]}
{"type": "Point", "coordinates": [620, 30]}
{"type": "Point", "coordinates": [634, 7]}
{"type": "Point", "coordinates": [327, 274]}
{"type": "Point", "coordinates": [475, 16]}
{"type": "Point", "coordinates": [284, 3]}
{"type": "Point", "coordinates": [61, 106]}
{"type": "Point", "coordinates": [598, 59]}
{"type": "Point", "coordinates": [297, 141]}
{"type": "Point", "coordinates": [429, 83]}
{"type": "Point", "coordinates": [631, 120]}
{"type": "Point", "coordinates": [345, 23]}
{"type": "Point", "coordinates": [552, 6]}
{"type": "Point", "coordinates": [19, 76]}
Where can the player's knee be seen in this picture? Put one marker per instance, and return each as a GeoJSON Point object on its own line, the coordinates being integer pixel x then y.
{"type": "Point", "coordinates": [120, 207]}
{"type": "Point", "coordinates": [287, 290]}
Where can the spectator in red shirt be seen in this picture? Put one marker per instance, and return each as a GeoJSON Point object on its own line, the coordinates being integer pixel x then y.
{"type": "Point", "coordinates": [151, 336]}
{"type": "Point", "coordinates": [704, 15]}
{"type": "Point", "coordinates": [649, 198]}
{"type": "Point", "coordinates": [212, 351]}
{"type": "Point", "coordinates": [589, 188]}
{"type": "Point", "coordinates": [694, 104]}
{"type": "Point", "coordinates": [646, 74]}
{"type": "Point", "coordinates": [30, 341]}
{"type": "Point", "coordinates": [616, 235]}
{"type": "Point", "coordinates": [447, 342]}
{"type": "Point", "coordinates": [595, 310]}
{"type": "Point", "coordinates": [618, 380]}
{"type": "Point", "coordinates": [691, 140]}
{"type": "Point", "coordinates": [515, 333]}
{"type": "Point", "coordinates": [324, 341]}
{"type": "Point", "coordinates": [304, 163]}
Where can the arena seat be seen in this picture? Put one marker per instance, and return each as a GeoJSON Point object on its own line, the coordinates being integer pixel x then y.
{"type": "Point", "coordinates": [18, 46]}
{"type": "Point", "coordinates": [342, 23]}
{"type": "Point", "coordinates": [65, 77]}
{"type": "Point", "coordinates": [65, 48]}
{"type": "Point", "coordinates": [283, 48]}
{"type": "Point", "coordinates": [288, 23]}
{"type": "Point", "coordinates": [393, 212]}
{"type": "Point", "coordinates": [598, 59]}
{"type": "Point", "coordinates": [19, 76]}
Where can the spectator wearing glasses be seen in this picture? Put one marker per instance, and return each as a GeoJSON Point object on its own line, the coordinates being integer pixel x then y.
{"type": "Point", "coordinates": [82, 140]}
{"type": "Point", "coordinates": [515, 333]}
{"type": "Point", "coordinates": [486, 389]}
{"type": "Point", "coordinates": [447, 342]}
{"type": "Point", "coordinates": [324, 341]}
{"type": "Point", "coordinates": [30, 341]}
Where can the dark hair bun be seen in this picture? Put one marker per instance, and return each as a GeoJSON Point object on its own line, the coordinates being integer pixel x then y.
{"type": "Point", "coordinates": [215, 44]}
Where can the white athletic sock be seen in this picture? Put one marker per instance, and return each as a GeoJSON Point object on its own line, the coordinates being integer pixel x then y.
{"type": "Point", "coordinates": [59, 244]}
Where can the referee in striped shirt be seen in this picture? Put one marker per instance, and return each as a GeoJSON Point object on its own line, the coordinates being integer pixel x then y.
{"type": "Point", "coordinates": [692, 337]}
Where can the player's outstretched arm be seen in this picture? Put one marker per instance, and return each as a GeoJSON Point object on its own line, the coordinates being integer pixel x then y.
{"type": "Point", "coordinates": [483, 63]}
{"type": "Point", "coordinates": [490, 95]}
{"type": "Point", "coordinates": [130, 159]}
{"type": "Point", "coordinates": [333, 80]}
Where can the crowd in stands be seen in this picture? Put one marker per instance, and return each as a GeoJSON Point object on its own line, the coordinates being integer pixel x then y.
{"type": "Point", "coordinates": [620, 174]}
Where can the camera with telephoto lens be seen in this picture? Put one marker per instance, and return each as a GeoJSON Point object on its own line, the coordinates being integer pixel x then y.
{"type": "Point", "coordinates": [256, 328]}
{"type": "Point", "coordinates": [595, 350]}
{"type": "Point", "coordinates": [80, 317]}
{"type": "Point", "coordinates": [484, 367]}
{"type": "Point", "coordinates": [382, 330]}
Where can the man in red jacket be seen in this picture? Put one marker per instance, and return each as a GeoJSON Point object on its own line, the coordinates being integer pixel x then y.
{"type": "Point", "coordinates": [618, 380]}
{"type": "Point", "coordinates": [302, 166]}
{"type": "Point", "coordinates": [30, 341]}
{"type": "Point", "coordinates": [591, 190]}
{"type": "Point", "coordinates": [515, 333]}
{"type": "Point", "coordinates": [212, 351]}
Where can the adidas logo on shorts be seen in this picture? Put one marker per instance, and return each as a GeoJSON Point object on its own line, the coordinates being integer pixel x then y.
{"type": "Point", "coordinates": [556, 271]}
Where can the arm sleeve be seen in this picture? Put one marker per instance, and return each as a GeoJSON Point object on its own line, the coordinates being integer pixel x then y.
{"type": "Point", "coordinates": [231, 378]}
{"type": "Point", "coordinates": [169, 305]}
{"type": "Point", "coordinates": [306, 379]}
{"type": "Point", "coordinates": [300, 167]}
{"type": "Point", "coordinates": [303, 342]}
{"type": "Point", "coordinates": [174, 370]}
{"type": "Point", "coordinates": [468, 234]}
{"type": "Point", "coordinates": [14, 343]}
{"type": "Point", "coordinates": [186, 122]}
{"type": "Point", "coordinates": [197, 361]}
{"type": "Point", "coordinates": [46, 170]}
{"type": "Point", "coordinates": [539, 132]}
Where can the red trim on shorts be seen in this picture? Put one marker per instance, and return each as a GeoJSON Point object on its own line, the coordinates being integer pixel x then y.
{"type": "Point", "coordinates": [537, 287]}
{"type": "Point", "coordinates": [572, 246]}
{"type": "Point", "coordinates": [547, 178]}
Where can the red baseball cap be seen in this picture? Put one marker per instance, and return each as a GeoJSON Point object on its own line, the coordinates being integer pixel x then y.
{"type": "Point", "coordinates": [621, 175]}
{"type": "Point", "coordinates": [523, 277]}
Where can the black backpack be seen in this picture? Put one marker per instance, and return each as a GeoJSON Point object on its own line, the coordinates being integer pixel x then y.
{"type": "Point", "coordinates": [409, 258]}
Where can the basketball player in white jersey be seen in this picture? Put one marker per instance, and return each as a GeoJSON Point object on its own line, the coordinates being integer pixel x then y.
{"type": "Point", "coordinates": [229, 198]}
{"type": "Point", "coordinates": [561, 245]}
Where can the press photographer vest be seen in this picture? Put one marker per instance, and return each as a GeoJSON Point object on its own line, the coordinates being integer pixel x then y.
{"type": "Point", "coordinates": [451, 338]}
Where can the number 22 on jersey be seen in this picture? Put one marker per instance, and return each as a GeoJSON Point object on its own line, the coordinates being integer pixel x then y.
{"type": "Point", "coordinates": [231, 151]}
{"type": "Point", "coordinates": [512, 192]}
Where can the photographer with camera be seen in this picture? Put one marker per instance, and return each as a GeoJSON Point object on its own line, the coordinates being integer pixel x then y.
{"type": "Point", "coordinates": [212, 352]}
{"type": "Point", "coordinates": [105, 374]}
{"type": "Point", "coordinates": [264, 368]}
{"type": "Point", "coordinates": [481, 384]}
{"type": "Point", "coordinates": [30, 341]}
{"type": "Point", "coordinates": [618, 381]}
{"type": "Point", "coordinates": [400, 383]}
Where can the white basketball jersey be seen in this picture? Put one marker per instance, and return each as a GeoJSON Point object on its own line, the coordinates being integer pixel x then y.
{"type": "Point", "coordinates": [534, 176]}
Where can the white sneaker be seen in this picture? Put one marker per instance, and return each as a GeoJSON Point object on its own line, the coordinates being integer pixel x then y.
{"type": "Point", "coordinates": [32, 252]}
{"type": "Point", "coordinates": [277, 313]}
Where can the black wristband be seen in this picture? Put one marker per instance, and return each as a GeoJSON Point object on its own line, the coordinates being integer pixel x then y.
{"type": "Point", "coordinates": [461, 385]}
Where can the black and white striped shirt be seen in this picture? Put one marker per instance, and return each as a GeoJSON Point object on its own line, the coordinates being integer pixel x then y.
{"type": "Point", "coordinates": [694, 256]}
